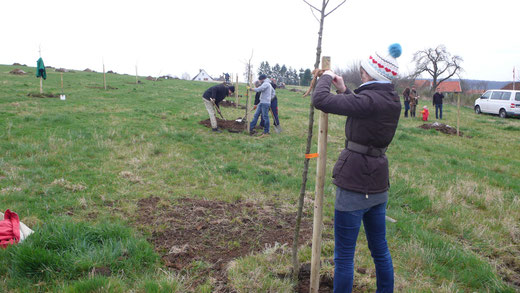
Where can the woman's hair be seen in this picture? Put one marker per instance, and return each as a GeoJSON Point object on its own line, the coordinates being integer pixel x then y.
{"type": "Point", "coordinates": [406, 91]}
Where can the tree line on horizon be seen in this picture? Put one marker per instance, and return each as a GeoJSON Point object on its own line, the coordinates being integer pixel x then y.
{"type": "Point", "coordinates": [436, 62]}
{"type": "Point", "coordinates": [282, 74]}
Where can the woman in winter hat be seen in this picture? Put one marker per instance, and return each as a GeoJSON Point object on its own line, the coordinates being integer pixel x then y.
{"type": "Point", "coordinates": [361, 172]}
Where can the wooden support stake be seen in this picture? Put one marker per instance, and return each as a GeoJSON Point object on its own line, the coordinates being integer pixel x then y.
{"type": "Point", "coordinates": [61, 82]}
{"type": "Point", "coordinates": [41, 80]}
{"type": "Point", "coordinates": [136, 81]}
{"type": "Point", "coordinates": [318, 199]}
{"type": "Point", "coordinates": [236, 91]}
{"type": "Point", "coordinates": [458, 113]}
{"type": "Point", "coordinates": [104, 77]}
{"type": "Point", "coordinates": [248, 103]}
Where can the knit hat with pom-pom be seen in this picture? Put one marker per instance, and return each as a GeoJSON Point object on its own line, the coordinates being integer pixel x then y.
{"type": "Point", "coordinates": [383, 67]}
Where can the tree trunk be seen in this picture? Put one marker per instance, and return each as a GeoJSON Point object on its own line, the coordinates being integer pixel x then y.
{"type": "Point", "coordinates": [306, 161]}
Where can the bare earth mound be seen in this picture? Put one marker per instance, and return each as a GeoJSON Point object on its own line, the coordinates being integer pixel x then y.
{"type": "Point", "coordinates": [304, 283]}
{"type": "Point", "coordinates": [18, 71]}
{"type": "Point", "coordinates": [38, 95]}
{"type": "Point", "coordinates": [444, 128]}
{"type": "Point", "coordinates": [216, 232]}
{"type": "Point", "coordinates": [102, 88]}
{"type": "Point", "coordinates": [230, 125]}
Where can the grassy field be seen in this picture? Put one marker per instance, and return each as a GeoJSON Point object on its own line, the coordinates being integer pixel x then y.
{"type": "Point", "coordinates": [80, 171]}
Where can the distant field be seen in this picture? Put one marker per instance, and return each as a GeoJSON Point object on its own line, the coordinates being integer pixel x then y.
{"type": "Point", "coordinates": [128, 192]}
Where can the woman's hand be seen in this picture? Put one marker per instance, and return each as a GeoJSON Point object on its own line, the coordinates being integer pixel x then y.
{"type": "Point", "coordinates": [338, 82]}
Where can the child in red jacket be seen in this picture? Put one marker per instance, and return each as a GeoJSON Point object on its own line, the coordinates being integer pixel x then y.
{"type": "Point", "coordinates": [425, 113]}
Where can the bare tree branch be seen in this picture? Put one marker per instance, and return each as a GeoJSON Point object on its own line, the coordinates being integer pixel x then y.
{"type": "Point", "coordinates": [335, 8]}
{"type": "Point", "coordinates": [438, 63]}
{"type": "Point", "coordinates": [312, 6]}
{"type": "Point", "coordinates": [312, 11]}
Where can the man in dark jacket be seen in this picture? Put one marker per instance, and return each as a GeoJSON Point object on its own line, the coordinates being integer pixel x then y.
{"type": "Point", "coordinates": [215, 95]}
{"type": "Point", "coordinates": [437, 102]}
{"type": "Point", "coordinates": [361, 172]}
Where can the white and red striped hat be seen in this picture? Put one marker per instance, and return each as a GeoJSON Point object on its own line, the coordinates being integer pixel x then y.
{"type": "Point", "coordinates": [383, 67]}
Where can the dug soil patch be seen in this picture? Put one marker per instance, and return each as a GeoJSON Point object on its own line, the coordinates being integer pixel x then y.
{"type": "Point", "coordinates": [102, 87]}
{"type": "Point", "coordinates": [38, 95]}
{"type": "Point", "coordinates": [441, 127]}
{"type": "Point", "coordinates": [230, 104]}
{"type": "Point", "coordinates": [326, 281]}
{"type": "Point", "coordinates": [230, 125]}
{"type": "Point", "coordinates": [17, 71]}
{"type": "Point", "coordinates": [216, 232]}
{"type": "Point", "coordinates": [304, 280]}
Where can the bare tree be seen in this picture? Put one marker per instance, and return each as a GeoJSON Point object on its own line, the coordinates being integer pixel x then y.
{"type": "Point", "coordinates": [249, 76]}
{"type": "Point", "coordinates": [323, 14]}
{"type": "Point", "coordinates": [351, 74]}
{"type": "Point", "coordinates": [438, 63]}
{"type": "Point", "coordinates": [186, 76]}
{"type": "Point", "coordinates": [248, 67]}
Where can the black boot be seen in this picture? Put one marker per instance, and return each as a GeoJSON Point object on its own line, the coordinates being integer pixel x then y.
{"type": "Point", "coordinates": [216, 130]}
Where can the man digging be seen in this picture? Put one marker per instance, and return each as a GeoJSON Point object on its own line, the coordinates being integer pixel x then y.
{"type": "Point", "coordinates": [212, 97]}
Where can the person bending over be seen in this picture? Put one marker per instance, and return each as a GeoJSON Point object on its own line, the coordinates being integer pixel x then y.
{"type": "Point", "coordinates": [215, 95]}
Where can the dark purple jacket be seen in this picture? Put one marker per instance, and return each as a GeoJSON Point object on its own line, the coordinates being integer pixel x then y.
{"type": "Point", "coordinates": [373, 113]}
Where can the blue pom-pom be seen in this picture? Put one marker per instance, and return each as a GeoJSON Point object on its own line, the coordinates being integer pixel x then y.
{"type": "Point", "coordinates": [395, 50]}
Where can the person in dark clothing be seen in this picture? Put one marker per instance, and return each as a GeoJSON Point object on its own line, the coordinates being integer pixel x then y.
{"type": "Point", "coordinates": [413, 102]}
{"type": "Point", "coordinates": [406, 97]}
{"type": "Point", "coordinates": [361, 172]}
{"type": "Point", "coordinates": [226, 78]}
{"type": "Point", "coordinates": [274, 103]}
{"type": "Point", "coordinates": [215, 95]}
{"type": "Point", "coordinates": [437, 102]}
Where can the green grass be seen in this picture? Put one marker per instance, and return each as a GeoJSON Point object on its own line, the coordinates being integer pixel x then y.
{"type": "Point", "coordinates": [70, 167]}
{"type": "Point", "coordinates": [61, 251]}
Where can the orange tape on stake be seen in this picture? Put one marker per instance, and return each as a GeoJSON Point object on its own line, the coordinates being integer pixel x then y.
{"type": "Point", "coordinates": [310, 156]}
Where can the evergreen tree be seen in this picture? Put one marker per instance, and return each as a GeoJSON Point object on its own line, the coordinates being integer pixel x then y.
{"type": "Point", "coordinates": [264, 68]}
{"type": "Point", "coordinates": [284, 74]}
{"type": "Point", "coordinates": [300, 75]}
{"type": "Point", "coordinates": [307, 77]}
{"type": "Point", "coordinates": [276, 74]}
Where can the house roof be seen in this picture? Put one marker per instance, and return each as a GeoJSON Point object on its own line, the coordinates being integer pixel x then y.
{"type": "Point", "coordinates": [450, 86]}
{"type": "Point", "coordinates": [203, 72]}
{"type": "Point", "coordinates": [509, 86]}
{"type": "Point", "coordinates": [421, 83]}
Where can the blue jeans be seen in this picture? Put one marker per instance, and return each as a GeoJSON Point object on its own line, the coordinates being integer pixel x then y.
{"type": "Point", "coordinates": [274, 109]}
{"type": "Point", "coordinates": [263, 109]}
{"type": "Point", "coordinates": [346, 230]}
{"type": "Point", "coordinates": [406, 108]}
{"type": "Point", "coordinates": [438, 111]}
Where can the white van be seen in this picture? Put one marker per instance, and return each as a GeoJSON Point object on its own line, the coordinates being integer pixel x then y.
{"type": "Point", "coordinates": [501, 102]}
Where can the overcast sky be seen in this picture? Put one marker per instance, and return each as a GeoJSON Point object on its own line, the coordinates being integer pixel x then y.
{"type": "Point", "coordinates": [175, 37]}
